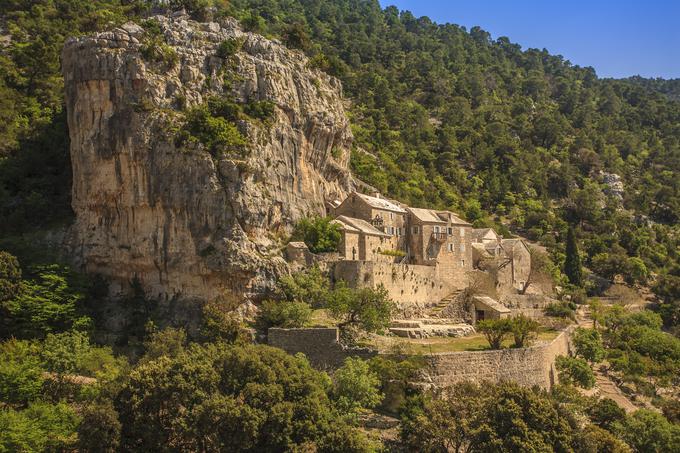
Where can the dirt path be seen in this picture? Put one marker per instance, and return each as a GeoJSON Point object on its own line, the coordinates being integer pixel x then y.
{"type": "Point", "coordinates": [604, 386]}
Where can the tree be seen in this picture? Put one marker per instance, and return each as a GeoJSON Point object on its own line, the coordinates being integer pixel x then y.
{"type": "Point", "coordinates": [588, 344]}
{"type": "Point", "coordinates": [282, 313]}
{"type": "Point", "coordinates": [647, 430]}
{"type": "Point", "coordinates": [99, 430]}
{"type": "Point", "coordinates": [320, 234]}
{"type": "Point", "coordinates": [40, 427]}
{"type": "Point", "coordinates": [10, 276]}
{"type": "Point", "coordinates": [572, 262]}
{"type": "Point", "coordinates": [593, 439]}
{"type": "Point", "coordinates": [169, 342]}
{"type": "Point", "coordinates": [541, 272]}
{"type": "Point", "coordinates": [218, 397]}
{"type": "Point", "coordinates": [365, 309]}
{"type": "Point", "coordinates": [311, 286]}
{"type": "Point", "coordinates": [575, 371]}
{"type": "Point", "coordinates": [222, 323]}
{"type": "Point", "coordinates": [523, 330]}
{"type": "Point", "coordinates": [606, 413]}
{"type": "Point", "coordinates": [495, 331]}
{"type": "Point", "coordinates": [21, 372]}
{"type": "Point", "coordinates": [356, 386]}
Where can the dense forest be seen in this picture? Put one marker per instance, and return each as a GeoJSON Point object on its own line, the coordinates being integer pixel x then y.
{"type": "Point", "coordinates": [443, 117]}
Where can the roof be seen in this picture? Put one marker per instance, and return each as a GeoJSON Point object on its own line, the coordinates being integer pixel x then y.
{"type": "Point", "coordinates": [481, 248]}
{"type": "Point", "coordinates": [380, 203]}
{"type": "Point", "coordinates": [487, 302]}
{"type": "Point", "coordinates": [426, 215]}
{"type": "Point", "coordinates": [359, 226]}
{"type": "Point", "coordinates": [479, 233]}
{"type": "Point", "coordinates": [455, 220]}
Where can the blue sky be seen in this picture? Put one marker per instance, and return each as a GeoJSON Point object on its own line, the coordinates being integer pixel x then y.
{"type": "Point", "coordinates": [618, 38]}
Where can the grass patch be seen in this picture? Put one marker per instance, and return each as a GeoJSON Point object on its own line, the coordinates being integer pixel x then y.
{"type": "Point", "coordinates": [321, 318]}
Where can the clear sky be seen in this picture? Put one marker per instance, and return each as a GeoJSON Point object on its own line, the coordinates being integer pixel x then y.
{"type": "Point", "coordinates": [618, 38]}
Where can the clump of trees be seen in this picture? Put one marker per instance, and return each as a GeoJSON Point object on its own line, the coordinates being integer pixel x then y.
{"type": "Point", "coordinates": [521, 328]}
{"type": "Point", "coordinates": [320, 234]}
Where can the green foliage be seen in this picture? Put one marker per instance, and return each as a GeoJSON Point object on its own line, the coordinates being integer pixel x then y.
{"type": "Point", "coordinates": [504, 417]}
{"type": "Point", "coordinates": [154, 48]}
{"type": "Point", "coordinates": [262, 110]}
{"type": "Point", "coordinates": [283, 313]}
{"type": "Point", "coordinates": [229, 47]}
{"type": "Point", "coordinates": [396, 376]}
{"type": "Point", "coordinates": [310, 286]}
{"type": "Point", "coordinates": [572, 262]}
{"type": "Point", "coordinates": [523, 330]}
{"type": "Point", "coordinates": [319, 233]}
{"type": "Point", "coordinates": [649, 431]}
{"type": "Point", "coordinates": [40, 427]}
{"type": "Point", "coordinates": [495, 331]}
{"type": "Point", "coordinates": [607, 414]}
{"type": "Point", "coordinates": [561, 310]}
{"type": "Point", "coordinates": [366, 309]}
{"type": "Point", "coordinates": [218, 134]}
{"type": "Point", "coordinates": [593, 439]}
{"type": "Point", "coordinates": [99, 430]}
{"type": "Point", "coordinates": [588, 344]}
{"type": "Point", "coordinates": [10, 276]}
{"type": "Point", "coordinates": [221, 323]}
{"type": "Point", "coordinates": [169, 342]}
{"type": "Point", "coordinates": [226, 398]}
{"type": "Point", "coordinates": [21, 372]}
{"type": "Point", "coordinates": [48, 300]}
{"type": "Point", "coordinates": [575, 371]}
{"type": "Point", "coordinates": [356, 386]}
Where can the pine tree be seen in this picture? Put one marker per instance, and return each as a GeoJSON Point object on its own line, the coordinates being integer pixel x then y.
{"type": "Point", "coordinates": [572, 263]}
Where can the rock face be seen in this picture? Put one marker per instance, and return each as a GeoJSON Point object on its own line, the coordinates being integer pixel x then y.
{"type": "Point", "coordinates": [184, 223]}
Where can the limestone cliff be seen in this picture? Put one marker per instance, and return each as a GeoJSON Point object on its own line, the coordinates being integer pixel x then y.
{"type": "Point", "coordinates": [185, 223]}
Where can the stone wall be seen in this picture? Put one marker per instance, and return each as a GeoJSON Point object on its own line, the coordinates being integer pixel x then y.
{"type": "Point", "coordinates": [405, 283]}
{"type": "Point", "coordinates": [527, 366]}
{"type": "Point", "coordinates": [319, 344]}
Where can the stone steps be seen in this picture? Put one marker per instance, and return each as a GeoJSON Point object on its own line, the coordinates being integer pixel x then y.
{"type": "Point", "coordinates": [433, 330]}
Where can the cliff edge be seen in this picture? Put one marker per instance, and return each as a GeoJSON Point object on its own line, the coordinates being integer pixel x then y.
{"type": "Point", "coordinates": [185, 220]}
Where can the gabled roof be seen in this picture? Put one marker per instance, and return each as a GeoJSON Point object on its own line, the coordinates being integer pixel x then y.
{"type": "Point", "coordinates": [455, 220]}
{"type": "Point", "coordinates": [479, 233]}
{"type": "Point", "coordinates": [481, 249]}
{"type": "Point", "coordinates": [358, 226]}
{"type": "Point", "coordinates": [489, 303]}
{"type": "Point", "coordinates": [380, 203]}
{"type": "Point", "coordinates": [426, 215]}
{"type": "Point", "coordinates": [509, 244]}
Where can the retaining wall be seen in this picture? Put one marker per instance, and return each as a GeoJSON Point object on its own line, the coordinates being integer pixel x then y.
{"type": "Point", "coordinates": [319, 344]}
{"type": "Point", "coordinates": [526, 366]}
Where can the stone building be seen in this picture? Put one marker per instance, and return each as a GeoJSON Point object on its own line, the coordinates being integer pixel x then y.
{"type": "Point", "coordinates": [508, 259]}
{"type": "Point", "coordinates": [362, 241]}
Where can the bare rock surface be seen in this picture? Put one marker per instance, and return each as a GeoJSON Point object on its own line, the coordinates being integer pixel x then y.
{"type": "Point", "coordinates": [185, 223]}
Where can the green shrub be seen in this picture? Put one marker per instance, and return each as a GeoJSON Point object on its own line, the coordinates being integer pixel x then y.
{"type": "Point", "coordinates": [310, 286]}
{"type": "Point", "coordinates": [366, 309]}
{"type": "Point", "coordinates": [229, 47]}
{"type": "Point", "coordinates": [283, 313]}
{"type": "Point", "coordinates": [356, 386]}
{"type": "Point", "coordinates": [319, 233]}
{"type": "Point", "coordinates": [495, 331]}
{"type": "Point", "coordinates": [523, 330]}
{"type": "Point", "coordinates": [588, 344]}
{"type": "Point", "coordinates": [262, 110]}
{"type": "Point", "coordinates": [156, 50]}
{"type": "Point", "coordinates": [217, 134]}
{"type": "Point", "coordinates": [560, 310]}
{"type": "Point", "coordinates": [575, 371]}
{"type": "Point", "coordinates": [395, 253]}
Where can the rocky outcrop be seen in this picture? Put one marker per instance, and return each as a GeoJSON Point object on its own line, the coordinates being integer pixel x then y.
{"type": "Point", "coordinates": [169, 213]}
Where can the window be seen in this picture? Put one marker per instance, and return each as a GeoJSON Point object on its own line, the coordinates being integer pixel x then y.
{"type": "Point", "coordinates": [450, 231]}
{"type": "Point", "coordinates": [436, 229]}
{"type": "Point", "coordinates": [462, 263]}
{"type": "Point", "coordinates": [392, 231]}
{"type": "Point", "coordinates": [415, 230]}
{"type": "Point", "coordinates": [462, 232]}
{"type": "Point", "coordinates": [391, 215]}
{"type": "Point", "coordinates": [450, 247]}
{"type": "Point", "coordinates": [462, 247]}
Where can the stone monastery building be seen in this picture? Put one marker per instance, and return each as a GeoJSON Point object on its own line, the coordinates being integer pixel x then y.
{"type": "Point", "coordinates": [419, 255]}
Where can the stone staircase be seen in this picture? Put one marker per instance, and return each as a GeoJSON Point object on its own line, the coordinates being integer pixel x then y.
{"type": "Point", "coordinates": [429, 327]}
{"type": "Point", "coordinates": [436, 310]}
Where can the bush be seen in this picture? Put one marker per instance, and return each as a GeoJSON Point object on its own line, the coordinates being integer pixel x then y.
{"type": "Point", "coordinates": [10, 276]}
{"type": "Point", "coordinates": [262, 110]}
{"type": "Point", "coordinates": [40, 427]}
{"type": "Point", "coordinates": [364, 309]}
{"type": "Point", "coordinates": [560, 310]}
{"type": "Point", "coordinates": [221, 323]}
{"type": "Point", "coordinates": [356, 386]}
{"type": "Point", "coordinates": [606, 413]}
{"type": "Point", "coordinates": [99, 430]}
{"type": "Point", "coordinates": [229, 47]}
{"type": "Point", "coordinates": [319, 233]}
{"type": "Point", "coordinates": [575, 371]}
{"type": "Point", "coordinates": [284, 314]}
{"type": "Point", "coordinates": [219, 135]}
{"type": "Point", "coordinates": [21, 372]}
{"type": "Point", "coordinates": [523, 330]}
{"type": "Point", "coordinates": [310, 286]}
{"type": "Point", "coordinates": [495, 331]}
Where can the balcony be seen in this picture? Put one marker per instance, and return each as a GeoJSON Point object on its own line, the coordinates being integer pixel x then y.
{"type": "Point", "coordinates": [439, 236]}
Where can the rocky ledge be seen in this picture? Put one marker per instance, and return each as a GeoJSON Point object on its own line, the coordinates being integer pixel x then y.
{"type": "Point", "coordinates": [186, 222]}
